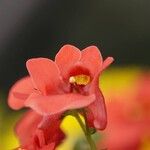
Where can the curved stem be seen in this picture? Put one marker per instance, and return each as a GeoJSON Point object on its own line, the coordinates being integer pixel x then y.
{"type": "Point", "coordinates": [89, 137]}
{"type": "Point", "coordinates": [76, 115]}
{"type": "Point", "coordinates": [85, 128]}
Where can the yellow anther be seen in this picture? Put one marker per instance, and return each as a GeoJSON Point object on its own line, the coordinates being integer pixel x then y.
{"type": "Point", "coordinates": [72, 79]}
{"type": "Point", "coordinates": [80, 79]}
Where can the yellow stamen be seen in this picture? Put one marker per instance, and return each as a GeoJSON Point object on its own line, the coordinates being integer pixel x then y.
{"type": "Point", "coordinates": [72, 79]}
{"type": "Point", "coordinates": [80, 79]}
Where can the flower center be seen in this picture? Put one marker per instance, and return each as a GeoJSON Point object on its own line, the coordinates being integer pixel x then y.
{"type": "Point", "coordinates": [80, 79]}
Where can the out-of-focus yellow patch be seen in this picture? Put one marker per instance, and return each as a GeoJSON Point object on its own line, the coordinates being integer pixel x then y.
{"type": "Point", "coordinates": [116, 80]}
{"type": "Point", "coordinates": [73, 132]}
{"type": "Point", "coordinates": [80, 79]}
{"type": "Point", "coordinates": [8, 139]}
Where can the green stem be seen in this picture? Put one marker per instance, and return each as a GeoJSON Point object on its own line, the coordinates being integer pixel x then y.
{"type": "Point", "coordinates": [76, 115]}
{"type": "Point", "coordinates": [89, 137]}
{"type": "Point", "coordinates": [85, 128]}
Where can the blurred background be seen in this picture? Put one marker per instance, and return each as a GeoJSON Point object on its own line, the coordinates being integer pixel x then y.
{"type": "Point", "coordinates": [39, 28]}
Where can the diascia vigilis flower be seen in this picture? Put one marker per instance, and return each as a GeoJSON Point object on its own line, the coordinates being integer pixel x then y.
{"type": "Point", "coordinates": [39, 133]}
{"type": "Point", "coordinates": [70, 82]}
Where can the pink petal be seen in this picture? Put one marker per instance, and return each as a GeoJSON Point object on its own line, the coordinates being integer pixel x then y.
{"type": "Point", "coordinates": [27, 126]}
{"type": "Point", "coordinates": [107, 62]}
{"type": "Point", "coordinates": [58, 103]}
{"type": "Point", "coordinates": [45, 74]}
{"type": "Point", "coordinates": [79, 68]}
{"type": "Point", "coordinates": [66, 58]}
{"type": "Point", "coordinates": [19, 93]}
{"type": "Point", "coordinates": [39, 138]}
{"type": "Point", "coordinates": [98, 108]}
{"type": "Point", "coordinates": [92, 59]}
{"type": "Point", "coordinates": [50, 146]}
{"type": "Point", "coordinates": [50, 126]}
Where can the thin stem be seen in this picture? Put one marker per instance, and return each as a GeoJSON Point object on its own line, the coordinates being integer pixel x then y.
{"type": "Point", "coordinates": [76, 115]}
{"type": "Point", "coordinates": [89, 137]}
{"type": "Point", "coordinates": [85, 128]}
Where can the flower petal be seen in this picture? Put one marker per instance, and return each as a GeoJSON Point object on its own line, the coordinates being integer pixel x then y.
{"type": "Point", "coordinates": [50, 126]}
{"type": "Point", "coordinates": [58, 103]}
{"type": "Point", "coordinates": [20, 92]}
{"type": "Point", "coordinates": [66, 58]}
{"type": "Point", "coordinates": [98, 116]}
{"type": "Point", "coordinates": [27, 126]}
{"type": "Point", "coordinates": [99, 112]}
{"type": "Point", "coordinates": [107, 62]}
{"type": "Point", "coordinates": [45, 74]}
{"type": "Point", "coordinates": [92, 59]}
{"type": "Point", "coordinates": [50, 146]}
{"type": "Point", "coordinates": [98, 108]}
{"type": "Point", "coordinates": [78, 69]}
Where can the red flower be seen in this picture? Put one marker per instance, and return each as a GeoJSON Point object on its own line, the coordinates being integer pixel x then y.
{"type": "Point", "coordinates": [69, 82]}
{"type": "Point", "coordinates": [37, 132]}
